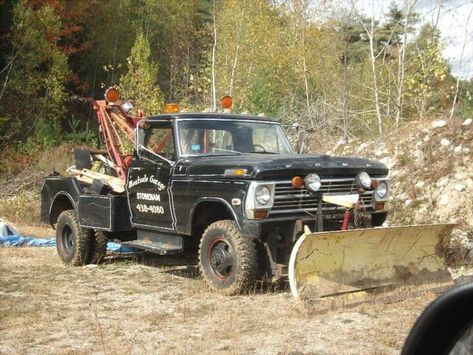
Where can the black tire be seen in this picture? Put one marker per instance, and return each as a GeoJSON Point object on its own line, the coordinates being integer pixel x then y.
{"type": "Point", "coordinates": [98, 249]}
{"type": "Point", "coordinates": [227, 258]}
{"type": "Point", "coordinates": [72, 241]}
{"type": "Point", "coordinates": [377, 219]}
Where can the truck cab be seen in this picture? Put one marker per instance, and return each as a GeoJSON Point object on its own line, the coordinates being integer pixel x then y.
{"type": "Point", "coordinates": [229, 187]}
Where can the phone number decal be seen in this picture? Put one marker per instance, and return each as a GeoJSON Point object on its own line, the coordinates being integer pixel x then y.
{"type": "Point", "coordinates": [150, 208]}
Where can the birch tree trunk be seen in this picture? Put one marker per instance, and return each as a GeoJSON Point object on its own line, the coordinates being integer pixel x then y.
{"type": "Point", "coordinates": [237, 49]}
{"type": "Point", "coordinates": [370, 34]}
{"type": "Point", "coordinates": [301, 8]}
{"type": "Point", "coordinates": [214, 48]}
{"type": "Point", "coordinates": [402, 61]}
{"type": "Point", "coordinates": [345, 91]}
{"type": "Point", "coordinates": [457, 86]}
{"type": "Point", "coordinates": [436, 15]}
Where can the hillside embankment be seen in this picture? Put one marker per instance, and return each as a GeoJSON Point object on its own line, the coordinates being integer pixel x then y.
{"type": "Point", "coordinates": [431, 176]}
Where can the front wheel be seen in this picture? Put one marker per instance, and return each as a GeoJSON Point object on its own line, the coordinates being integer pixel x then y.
{"type": "Point", "coordinates": [72, 241]}
{"type": "Point", "coordinates": [227, 258]}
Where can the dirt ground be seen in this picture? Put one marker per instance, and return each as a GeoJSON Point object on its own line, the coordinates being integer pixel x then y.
{"type": "Point", "coordinates": [156, 305]}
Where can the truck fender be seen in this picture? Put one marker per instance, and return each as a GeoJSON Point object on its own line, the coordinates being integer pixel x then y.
{"type": "Point", "coordinates": [62, 201]}
{"type": "Point", "coordinates": [219, 200]}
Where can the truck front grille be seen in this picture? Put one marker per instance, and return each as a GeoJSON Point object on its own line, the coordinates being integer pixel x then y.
{"type": "Point", "coordinates": [289, 200]}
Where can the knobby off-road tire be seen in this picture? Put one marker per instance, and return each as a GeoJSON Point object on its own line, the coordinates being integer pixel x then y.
{"type": "Point", "coordinates": [98, 249]}
{"type": "Point", "coordinates": [227, 258]}
{"type": "Point", "coordinates": [72, 241]}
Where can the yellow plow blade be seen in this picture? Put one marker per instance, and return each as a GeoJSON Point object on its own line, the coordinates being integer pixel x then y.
{"type": "Point", "coordinates": [341, 262]}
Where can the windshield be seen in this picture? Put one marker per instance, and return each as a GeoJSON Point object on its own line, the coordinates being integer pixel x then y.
{"type": "Point", "coordinates": [220, 136]}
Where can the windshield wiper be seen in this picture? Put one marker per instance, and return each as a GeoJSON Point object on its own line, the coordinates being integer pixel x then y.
{"type": "Point", "coordinates": [264, 152]}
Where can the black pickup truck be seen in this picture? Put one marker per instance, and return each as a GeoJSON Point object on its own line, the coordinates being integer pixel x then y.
{"type": "Point", "coordinates": [228, 185]}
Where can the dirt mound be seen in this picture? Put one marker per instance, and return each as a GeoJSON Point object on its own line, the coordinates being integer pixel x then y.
{"type": "Point", "coordinates": [20, 189]}
{"type": "Point", "coordinates": [431, 164]}
{"type": "Point", "coordinates": [30, 178]}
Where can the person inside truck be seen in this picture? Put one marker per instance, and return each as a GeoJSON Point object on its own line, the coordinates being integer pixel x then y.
{"type": "Point", "coordinates": [190, 142]}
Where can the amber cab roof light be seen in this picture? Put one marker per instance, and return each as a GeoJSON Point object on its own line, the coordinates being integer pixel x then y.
{"type": "Point", "coordinates": [112, 95]}
{"type": "Point", "coordinates": [227, 103]}
{"type": "Point", "coordinates": [171, 108]}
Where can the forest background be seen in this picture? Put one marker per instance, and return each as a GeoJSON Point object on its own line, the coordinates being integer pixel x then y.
{"type": "Point", "coordinates": [323, 64]}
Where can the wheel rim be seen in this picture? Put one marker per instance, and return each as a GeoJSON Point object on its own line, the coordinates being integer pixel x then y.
{"type": "Point", "coordinates": [221, 258]}
{"type": "Point", "coordinates": [67, 239]}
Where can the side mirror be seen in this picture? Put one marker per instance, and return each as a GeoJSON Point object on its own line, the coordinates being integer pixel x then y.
{"type": "Point", "coordinates": [300, 144]}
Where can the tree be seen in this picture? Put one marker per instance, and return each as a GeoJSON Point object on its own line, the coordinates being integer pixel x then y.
{"type": "Point", "coordinates": [409, 4]}
{"type": "Point", "coordinates": [33, 96]}
{"type": "Point", "coordinates": [457, 85]}
{"type": "Point", "coordinates": [253, 55]}
{"type": "Point", "coordinates": [427, 69]}
{"type": "Point", "coordinates": [370, 32]}
{"type": "Point", "coordinates": [139, 83]}
{"type": "Point", "coordinates": [214, 49]}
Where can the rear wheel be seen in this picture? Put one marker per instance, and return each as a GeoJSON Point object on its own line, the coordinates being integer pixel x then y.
{"type": "Point", "coordinates": [72, 241]}
{"type": "Point", "coordinates": [98, 247]}
{"type": "Point", "coordinates": [227, 258]}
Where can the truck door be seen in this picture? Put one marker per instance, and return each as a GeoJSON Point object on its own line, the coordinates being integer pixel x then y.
{"type": "Point", "coordinates": [149, 178]}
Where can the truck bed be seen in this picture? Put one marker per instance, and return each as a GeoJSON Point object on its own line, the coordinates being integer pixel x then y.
{"type": "Point", "coordinates": [108, 212]}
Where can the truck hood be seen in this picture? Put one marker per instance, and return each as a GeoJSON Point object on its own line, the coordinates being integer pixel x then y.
{"type": "Point", "coordinates": [264, 166]}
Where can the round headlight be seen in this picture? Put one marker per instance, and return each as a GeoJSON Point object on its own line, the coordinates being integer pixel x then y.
{"type": "Point", "coordinates": [313, 182]}
{"type": "Point", "coordinates": [263, 194]}
{"type": "Point", "coordinates": [382, 190]}
{"type": "Point", "coordinates": [363, 180]}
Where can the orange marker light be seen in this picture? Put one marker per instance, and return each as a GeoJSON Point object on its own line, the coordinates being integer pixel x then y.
{"type": "Point", "coordinates": [374, 183]}
{"type": "Point", "coordinates": [235, 172]}
{"type": "Point", "coordinates": [261, 214]}
{"type": "Point", "coordinates": [112, 95]}
{"type": "Point", "coordinates": [171, 108]}
{"type": "Point", "coordinates": [379, 206]}
{"type": "Point", "coordinates": [226, 102]}
{"type": "Point", "coordinates": [297, 182]}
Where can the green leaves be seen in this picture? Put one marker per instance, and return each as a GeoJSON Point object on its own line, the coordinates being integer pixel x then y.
{"type": "Point", "coordinates": [297, 60]}
{"type": "Point", "coordinates": [140, 82]}
{"type": "Point", "coordinates": [36, 81]}
{"type": "Point", "coordinates": [426, 70]}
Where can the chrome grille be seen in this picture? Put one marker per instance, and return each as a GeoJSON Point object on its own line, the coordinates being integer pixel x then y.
{"type": "Point", "coordinates": [289, 200]}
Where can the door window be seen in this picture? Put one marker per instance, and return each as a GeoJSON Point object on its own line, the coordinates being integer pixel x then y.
{"type": "Point", "coordinates": [160, 140]}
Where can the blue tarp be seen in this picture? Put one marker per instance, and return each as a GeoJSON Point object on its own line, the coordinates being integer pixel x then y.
{"type": "Point", "coordinates": [118, 248]}
{"type": "Point", "coordinates": [21, 241]}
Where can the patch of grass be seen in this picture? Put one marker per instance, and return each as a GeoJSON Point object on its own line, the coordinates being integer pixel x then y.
{"type": "Point", "coordinates": [12, 313]}
{"type": "Point", "coordinates": [437, 168]}
{"type": "Point", "coordinates": [12, 162]}
{"type": "Point", "coordinates": [24, 208]}
{"type": "Point", "coordinates": [398, 213]}
{"type": "Point", "coordinates": [405, 160]}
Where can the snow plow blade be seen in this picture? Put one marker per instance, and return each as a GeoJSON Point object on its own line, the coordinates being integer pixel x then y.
{"type": "Point", "coordinates": [347, 262]}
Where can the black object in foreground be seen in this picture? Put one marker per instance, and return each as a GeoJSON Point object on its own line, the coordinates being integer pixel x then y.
{"type": "Point", "coordinates": [445, 326]}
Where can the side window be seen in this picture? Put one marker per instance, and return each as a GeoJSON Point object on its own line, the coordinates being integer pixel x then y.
{"type": "Point", "coordinates": [160, 140]}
